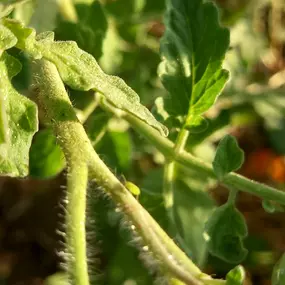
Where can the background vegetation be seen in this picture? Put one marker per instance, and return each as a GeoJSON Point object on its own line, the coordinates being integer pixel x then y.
{"type": "Point", "coordinates": [124, 36]}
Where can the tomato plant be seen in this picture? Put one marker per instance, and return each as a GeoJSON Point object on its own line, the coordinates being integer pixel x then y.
{"type": "Point", "coordinates": [61, 112]}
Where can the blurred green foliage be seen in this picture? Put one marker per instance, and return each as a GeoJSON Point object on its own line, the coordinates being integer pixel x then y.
{"type": "Point", "coordinates": [51, 160]}
{"type": "Point", "coordinates": [123, 35]}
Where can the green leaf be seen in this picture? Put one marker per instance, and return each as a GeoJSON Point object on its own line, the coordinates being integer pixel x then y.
{"type": "Point", "coordinates": [214, 124]}
{"type": "Point", "coordinates": [271, 107]}
{"type": "Point", "coordinates": [80, 71]}
{"type": "Point", "coordinates": [197, 124]}
{"type": "Point", "coordinates": [125, 9]}
{"type": "Point", "coordinates": [111, 60]}
{"type": "Point", "coordinates": [229, 157]}
{"type": "Point", "coordinates": [7, 39]}
{"type": "Point", "coordinates": [124, 265]}
{"type": "Point", "coordinates": [46, 157]}
{"type": "Point", "coordinates": [191, 208]}
{"type": "Point", "coordinates": [161, 114]}
{"type": "Point", "coordinates": [236, 276]}
{"type": "Point", "coordinates": [22, 80]}
{"type": "Point", "coordinates": [96, 126]}
{"type": "Point", "coordinates": [151, 197]}
{"type": "Point", "coordinates": [3, 122]}
{"type": "Point", "coordinates": [26, 36]}
{"type": "Point", "coordinates": [152, 183]}
{"type": "Point", "coordinates": [224, 232]}
{"type": "Point", "coordinates": [116, 149]}
{"type": "Point", "coordinates": [152, 7]}
{"type": "Point", "coordinates": [89, 31]}
{"type": "Point", "coordinates": [192, 49]}
{"type": "Point", "coordinates": [278, 275]}
{"type": "Point", "coordinates": [21, 118]}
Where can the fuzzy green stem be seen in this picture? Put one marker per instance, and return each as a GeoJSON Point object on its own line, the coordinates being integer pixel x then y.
{"type": "Point", "coordinates": [169, 178]}
{"type": "Point", "coordinates": [181, 141]}
{"type": "Point", "coordinates": [169, 170]}
{"type": "Point", "coordinates": [53, 100]}
{"type": "Point", "coordinates": [164, 249]}
{"type": "Point", "coordinates": [50, 95]}
{"type": "Point", "coordinates": [232, 196]}
{"type": "Point", "coordinates": [166, 147]}
{"type": "Point", "coordinates": [75, 223]}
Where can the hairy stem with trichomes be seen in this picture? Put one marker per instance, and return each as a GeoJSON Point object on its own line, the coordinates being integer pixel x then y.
{"type": "Point", "coordinates": [53, 101]}
{"type": "Point", "coordinates": [57, 113]}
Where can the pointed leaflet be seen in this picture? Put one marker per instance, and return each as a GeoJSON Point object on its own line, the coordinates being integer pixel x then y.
{"type": "Point", "coordinates": [21, 114]}
{"type": "Point", "coordinates": [229, 157]}
{"type": "Point", "coordinates": [80, 71]}
{"type": "Point", "coordinates": [224, 232]}
{"type": "Point", "coordinates": [192, 50]}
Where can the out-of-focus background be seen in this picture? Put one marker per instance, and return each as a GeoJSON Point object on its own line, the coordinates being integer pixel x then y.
{"type": "Point", "coordinates": [252, 108]}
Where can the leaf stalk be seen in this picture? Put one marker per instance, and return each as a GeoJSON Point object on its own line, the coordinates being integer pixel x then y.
{"type": "Point", "coordinates": [166, 147]}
